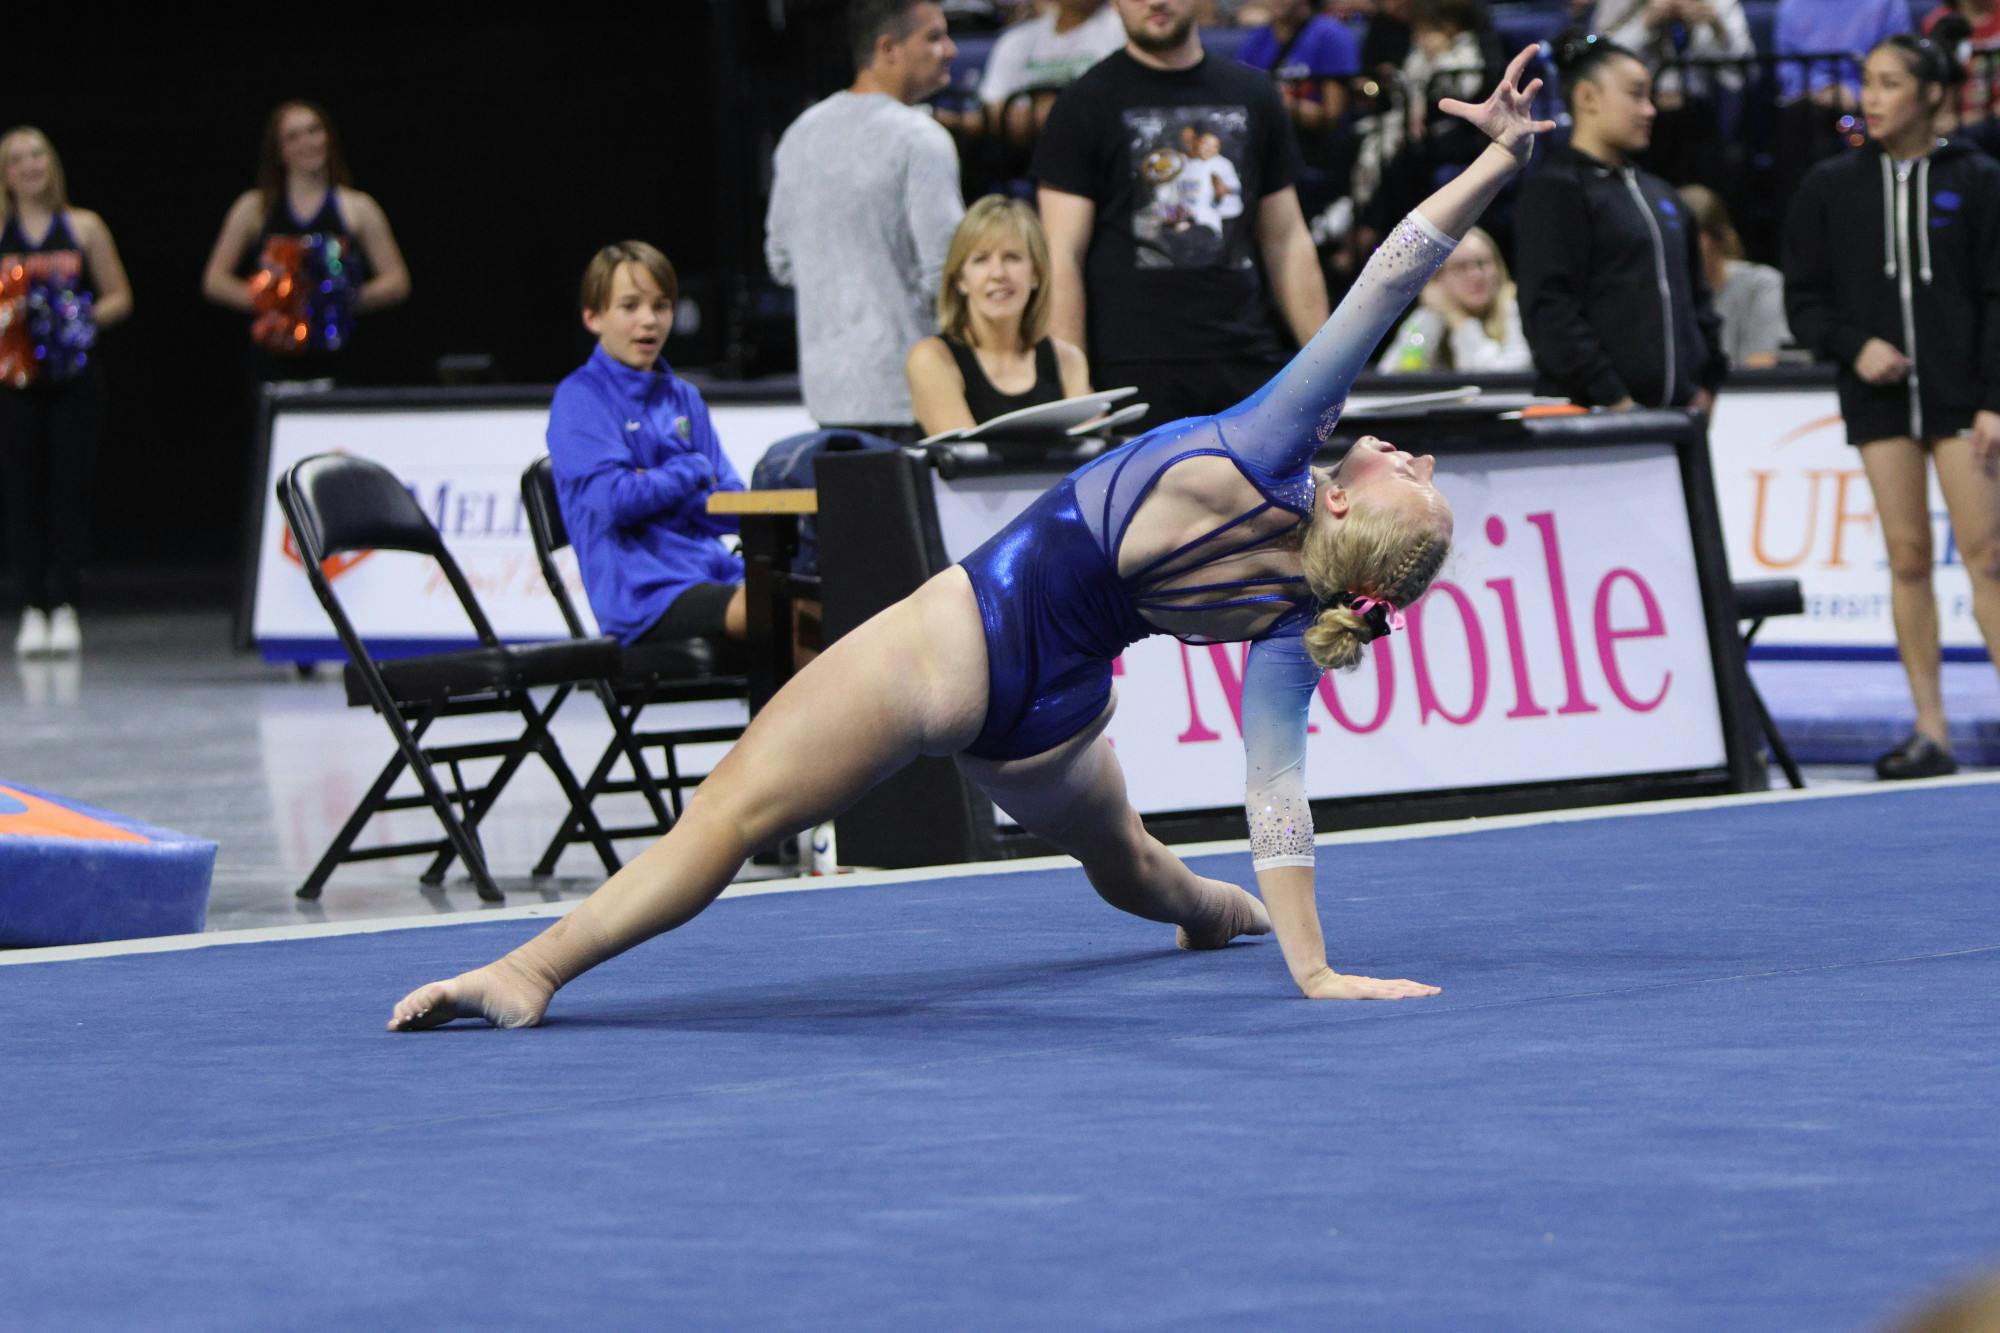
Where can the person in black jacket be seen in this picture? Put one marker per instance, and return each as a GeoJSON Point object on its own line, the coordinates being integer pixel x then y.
{"type": "Point", "coordinates": [1892, 271]}
{"type": "Point", "coordinates": [1613, 299]}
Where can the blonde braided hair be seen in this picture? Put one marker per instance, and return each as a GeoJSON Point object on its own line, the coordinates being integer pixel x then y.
{"type": "Point", "coordinates": [1373, 553]}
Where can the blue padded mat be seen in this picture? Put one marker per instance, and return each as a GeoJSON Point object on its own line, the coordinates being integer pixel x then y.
{"type": "Point", "coordinates": [72, 873]}
{"type": "Point", "coordinates": [1723, 1068]}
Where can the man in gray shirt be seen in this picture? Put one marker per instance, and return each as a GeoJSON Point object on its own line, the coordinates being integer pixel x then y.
{"type": "Point", "coordinates": [864, 200]}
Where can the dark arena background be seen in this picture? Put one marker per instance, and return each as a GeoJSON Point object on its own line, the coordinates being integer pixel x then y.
{"type": "Point", "coordinates": [505, 146]}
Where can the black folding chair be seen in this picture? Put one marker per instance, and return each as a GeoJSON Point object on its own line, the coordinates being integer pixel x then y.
{"type": "Point", "coordinates": [336, 504]}
{"type": "Point", "coordinates": [674, 672]}
{"type": "Point", "coordinates": [1756, 601]}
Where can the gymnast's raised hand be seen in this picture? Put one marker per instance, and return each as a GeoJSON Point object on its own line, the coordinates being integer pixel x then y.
{"type": "Point", "coordinates": [1213, 529]}
{"type": "Point", "coordinates": [1506, 117]}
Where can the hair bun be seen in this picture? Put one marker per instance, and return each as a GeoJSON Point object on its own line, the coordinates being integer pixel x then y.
{"type": "Point", "coordinates": [1573, 48]}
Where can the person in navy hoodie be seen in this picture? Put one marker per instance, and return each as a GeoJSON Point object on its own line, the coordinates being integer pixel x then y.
{"type": "Point", "coordinates": [1613, 297]}
{"type": "Point", "coordinates": [1892, 272]}
{"type": "Point", "coordinates": [636, 458]}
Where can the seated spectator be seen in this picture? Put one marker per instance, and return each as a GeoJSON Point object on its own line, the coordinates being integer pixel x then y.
{"type": "Point", "coordinates": [1034, 60]}
{"type": "Point", "coordinates": [1386, 44]}
{"type": "Point", "coordinates": [994, 353]}
{"type": "Point", "coordinates": [1816, 27]}
{"type": "Point", "coordinates": [1977, 23]}
{"type": "Point", "coordinates": [1750, 298]}
{"type": "Point", "coordinates": [1446, 37]}
{"type": "Point", "coordinates": [636, 458]}
{"type": "Point", "coordinates": [1666, 33]}
{"type": "Point", "coordinates": [1467, 318]}
{"type": "Point", "coordinates": [1312, 56]}
{"type": "Point", "coordinates": [1695, 103]}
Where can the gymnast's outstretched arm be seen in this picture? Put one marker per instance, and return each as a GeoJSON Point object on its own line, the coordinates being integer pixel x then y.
{"type": "Point", "coordinates": [1281, 425]}
{"type": "Point", "coordinates": [1280, 677]}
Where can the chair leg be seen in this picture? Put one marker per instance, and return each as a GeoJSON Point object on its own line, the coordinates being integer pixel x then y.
{"type": "Point", "coordinates": [1779, 750]}
{"type": "Point", "coordinates": [572, 826]}
{"type": "Point", "coordinates": [454, 829]}
{"type": "Point", "coordinates": [625, 722]}
{"type": "Point", "coordinates": [363, 811]}
{"type": "Point", "coordinates": [545, 745]}
{"type": "Point", "coordinates": [482, 801]}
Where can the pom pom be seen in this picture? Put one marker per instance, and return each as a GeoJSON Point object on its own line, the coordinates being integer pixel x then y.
{"type": "Point", "coordinates": [47, 325]}
{"type": "Point", "coordinates": [303, 294]}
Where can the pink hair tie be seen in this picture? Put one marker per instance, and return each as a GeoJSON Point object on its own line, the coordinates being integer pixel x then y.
{"type": "Point", "coordinates": [1363, 604]}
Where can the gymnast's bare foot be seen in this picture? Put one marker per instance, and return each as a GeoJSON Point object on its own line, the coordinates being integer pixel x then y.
{"type": "Point", "coordinates": [1228, 912]}
{"type": "Point", "coordinates": [503, 993]}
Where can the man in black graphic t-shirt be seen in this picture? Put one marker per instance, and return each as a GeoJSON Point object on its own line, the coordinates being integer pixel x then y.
{"type": "Point", "coordinates": [1165, 177]}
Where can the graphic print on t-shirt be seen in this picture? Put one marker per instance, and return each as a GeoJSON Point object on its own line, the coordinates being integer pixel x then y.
{"type": "Point", "coordinates": [1187, 198]}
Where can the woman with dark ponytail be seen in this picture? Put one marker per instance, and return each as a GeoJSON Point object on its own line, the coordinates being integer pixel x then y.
{"type": "Point", "coordinates": [1892, 271]}
{"type": "Point", "coordinates": [1613, 298]}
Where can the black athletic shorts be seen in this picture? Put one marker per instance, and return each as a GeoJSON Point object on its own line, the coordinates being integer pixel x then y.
{"type": "Point", "coordinates": [695, 614]}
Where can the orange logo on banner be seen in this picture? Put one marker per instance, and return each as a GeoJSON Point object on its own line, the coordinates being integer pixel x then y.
{"type": "Point", "coordinates": [333, 566]}
{"type": "Point", "coordinates": [38, 818]}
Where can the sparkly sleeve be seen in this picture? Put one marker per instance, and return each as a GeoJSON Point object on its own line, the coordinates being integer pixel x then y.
{"type": "Point", "coordinates": [1282, 425]}
{"type": "Point", "coordinates": [1278, 686]}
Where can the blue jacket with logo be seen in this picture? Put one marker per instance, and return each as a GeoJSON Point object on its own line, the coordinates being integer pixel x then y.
{"type": "Point", "coordinates": [636, 458]}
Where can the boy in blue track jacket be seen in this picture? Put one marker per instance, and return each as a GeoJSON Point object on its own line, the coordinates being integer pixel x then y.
{"type": "Point", "coordinates": [636, 458]}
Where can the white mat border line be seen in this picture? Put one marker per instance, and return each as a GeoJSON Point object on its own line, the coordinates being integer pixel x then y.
{"type": "Point", "coordinates": [871, 878]}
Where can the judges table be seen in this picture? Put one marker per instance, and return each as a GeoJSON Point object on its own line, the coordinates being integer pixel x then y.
{"type": "Point", "coordinates": [770, 526]}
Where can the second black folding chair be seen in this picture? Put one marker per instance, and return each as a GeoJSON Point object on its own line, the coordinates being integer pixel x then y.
{"type": "Point", "coordinates": [678, 671]}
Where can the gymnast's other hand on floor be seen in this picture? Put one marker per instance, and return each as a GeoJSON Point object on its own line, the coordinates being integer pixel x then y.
{"type": "Point", "coordinates": [1328, 984]}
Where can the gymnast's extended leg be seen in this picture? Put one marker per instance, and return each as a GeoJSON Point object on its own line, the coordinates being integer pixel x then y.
{"type": "Point", "coordinates": [911, 681]}
{"type": "Point", "coordinates": [1074, 797]}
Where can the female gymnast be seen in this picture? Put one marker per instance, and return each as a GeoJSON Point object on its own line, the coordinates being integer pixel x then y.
{"type": "Point", "coordinates": [994, 353]}
{"type": "Point", "coordinates": [1215, 529]}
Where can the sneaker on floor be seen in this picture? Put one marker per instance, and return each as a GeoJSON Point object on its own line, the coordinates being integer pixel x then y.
{"type": "Point", "coordinates": [1917, 757]}
{"type": "Point", "coordinates": [65, 637]}
{"type": "Point", "coordinates": [34, 636]}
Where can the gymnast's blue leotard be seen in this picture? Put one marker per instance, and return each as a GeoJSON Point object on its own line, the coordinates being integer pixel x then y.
{"type": "Point", "coordinates": [1057, 611]}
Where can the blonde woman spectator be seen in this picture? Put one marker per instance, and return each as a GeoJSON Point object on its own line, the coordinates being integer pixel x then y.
{"type": "Point", "coordinates": [1749, 297]}
{"type": "Point", "coordinates": [993, 354]}
{"type": "Point", "coordinates": [1466, 319]}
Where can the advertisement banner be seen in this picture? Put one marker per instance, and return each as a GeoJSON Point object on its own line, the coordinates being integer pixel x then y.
{"type": "Point", "coordinates": [1564, 639]}
{"type": "Point", "coordinates": [1796, 505]}
{"type": "Point", "coordinates": [464, 466]}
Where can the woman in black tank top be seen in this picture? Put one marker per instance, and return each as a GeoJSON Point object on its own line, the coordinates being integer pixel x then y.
{"type": "Point", "coordinates": [60, 282]}
{"type": "Point", "coordinates": [304, 220]}
{"type": "Point", "coordinates": [994, 354]}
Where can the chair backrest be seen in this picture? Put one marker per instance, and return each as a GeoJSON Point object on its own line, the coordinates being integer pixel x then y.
{"type": "Point", "coordinates": [538, 493]}
{"type": "Point", "coordinates": [352, 504]}
{"type": "Point", "coordinates": [550, 534]}
{"type": "Point", "coordinates": [336, 503]}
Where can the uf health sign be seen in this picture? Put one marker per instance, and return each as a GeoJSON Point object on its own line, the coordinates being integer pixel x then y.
{"type": "Point", "coordinates": [1795, 504]}
{"type": "Point", "coordinates": [463, 465]}
{"type": "Point", "coordinates": [1564, 639]}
